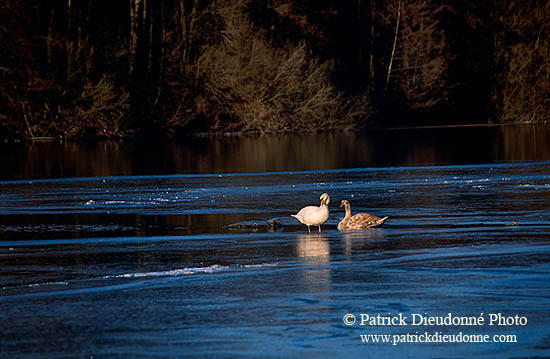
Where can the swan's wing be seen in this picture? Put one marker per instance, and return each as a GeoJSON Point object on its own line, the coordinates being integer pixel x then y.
{"type": "Point", "coordinates": [313, 215]}
{"type": "Point", "coordinates": [365, 220]}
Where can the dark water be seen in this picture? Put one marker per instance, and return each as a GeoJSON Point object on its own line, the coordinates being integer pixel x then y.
{"type": "Point", "coordinates": [406, 147]}
{"type": "Point", "coordinates": [120, 250]}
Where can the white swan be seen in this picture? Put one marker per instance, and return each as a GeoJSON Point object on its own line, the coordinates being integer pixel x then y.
{"type": "Point", "coordinates": [358, 221]}
{"type": "Point", "coordinates": [313, 215]}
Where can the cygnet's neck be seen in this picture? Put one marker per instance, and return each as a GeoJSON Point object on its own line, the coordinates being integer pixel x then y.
{"type": "Point", "coordinates": [348, 210]}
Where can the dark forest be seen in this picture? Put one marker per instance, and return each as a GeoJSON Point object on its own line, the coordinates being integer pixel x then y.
{"type": "Point", "coordinates": [81, 67]}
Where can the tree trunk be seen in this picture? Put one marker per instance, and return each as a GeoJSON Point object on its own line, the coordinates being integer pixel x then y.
{"type": "Point", "coordinates": [137, 68]}
{"type": "Point", "coordinates": [370, 82]}
{"type": "Point", "coordinates": [135, 6]}
{"type": "Point", "coordinates": [394, 45]}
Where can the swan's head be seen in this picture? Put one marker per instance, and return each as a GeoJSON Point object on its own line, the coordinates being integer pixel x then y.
{"type": "Point", "coordinates": [344, 203]}
{"type": "Point", "coordinates": [325, 199]}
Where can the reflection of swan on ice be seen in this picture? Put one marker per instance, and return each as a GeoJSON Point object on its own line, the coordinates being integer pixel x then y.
{"type": "Point", "coordinates": [313, 252]}
{"type": "Point", "coordinates": [313, 215]}
{"type": "Point", "coordinates": [358, 221]}
{"type": "Point", "coordinates": [361, 240]}
{"type": "Point", "coordinates": [313, 248]}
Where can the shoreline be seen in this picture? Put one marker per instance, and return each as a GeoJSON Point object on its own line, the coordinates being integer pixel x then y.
{"type": "Point", "coordinates": [217, 134]}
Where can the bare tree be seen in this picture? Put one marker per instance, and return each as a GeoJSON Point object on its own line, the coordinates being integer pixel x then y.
{"type": "Point", "coordinates": [396, 33]}
{"type": "Point", "coordinates": [521, 91]}
{"type": "Point", "coordinates": [418, 59]}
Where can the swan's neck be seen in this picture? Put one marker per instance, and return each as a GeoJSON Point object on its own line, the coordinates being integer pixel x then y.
{"type": "Point", "coordinates": [348, 211]}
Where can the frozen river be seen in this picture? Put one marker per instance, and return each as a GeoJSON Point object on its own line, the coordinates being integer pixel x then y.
{"type": "Point", "coordinates": [142, 265]}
